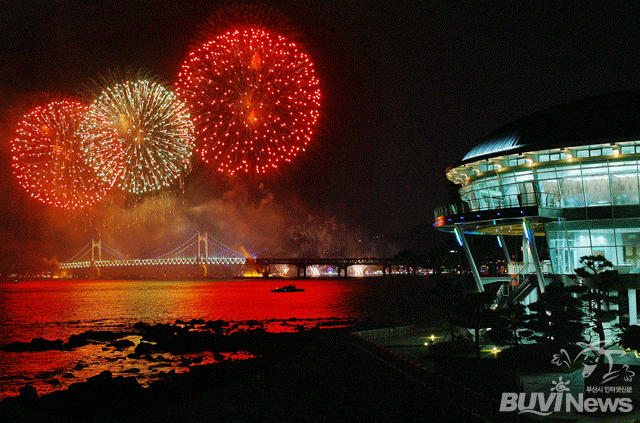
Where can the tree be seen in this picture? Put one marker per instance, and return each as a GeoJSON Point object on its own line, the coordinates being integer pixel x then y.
{"type": "Point", "coordinates": [473, 311]}
{"type": "Point", "coordinates": [510, 325]}
{"type": "Point", "coordinates": [630, 338]}
{"type": "Point", "coordinates": [600, 279]}
{"type": "Point", "coordinates": [556, 318]}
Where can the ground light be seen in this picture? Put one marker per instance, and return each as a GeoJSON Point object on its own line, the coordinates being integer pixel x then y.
{"type": "Point", "coordinates": [431, 339]}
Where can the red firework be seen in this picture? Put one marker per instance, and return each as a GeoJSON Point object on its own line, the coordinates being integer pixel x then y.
{"type": "Point", "coordinates": [48, 160]}
{"type": "Point", "coordinates": [254, 97]}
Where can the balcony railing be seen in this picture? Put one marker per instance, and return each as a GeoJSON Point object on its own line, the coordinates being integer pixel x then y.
{"type": "Point", "coordinates": [499, 202]}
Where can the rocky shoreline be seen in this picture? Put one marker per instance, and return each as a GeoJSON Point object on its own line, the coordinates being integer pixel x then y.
{"type": "Point", "coordinates": [310, 374]}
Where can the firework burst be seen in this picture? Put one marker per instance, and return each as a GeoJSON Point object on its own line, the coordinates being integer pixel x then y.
{"type": "Point", "coordinates": [138, 135]}
{"type": "Point", "coordinates": [255, 100]}
{"type": "Point", "coordinates": [48, 160]}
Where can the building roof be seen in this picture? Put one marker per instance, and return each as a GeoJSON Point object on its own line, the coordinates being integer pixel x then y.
{"type": "Point", "coordinates": [594, 120]}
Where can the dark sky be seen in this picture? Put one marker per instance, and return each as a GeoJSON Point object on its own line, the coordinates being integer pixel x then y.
{"type": "Point", "coordinates": [408, 88]}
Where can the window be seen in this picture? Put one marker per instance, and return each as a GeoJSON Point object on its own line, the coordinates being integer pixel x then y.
{"type": "Point", "coordinates": [572, 193]}
{"type": "Point", "coordinates": [596, 190]}
{"type": "Point", "coordinates": [624, 189]}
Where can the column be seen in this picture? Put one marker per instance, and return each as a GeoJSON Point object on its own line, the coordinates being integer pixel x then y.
{"type": "Point", "coordinates": [633, 308]}
{"type": "Point", "coordinates": [474, 270]}
{"type": "Point", "coordinates": [503, 245]}
{"type": "Point", "coordinates": [530, 236]}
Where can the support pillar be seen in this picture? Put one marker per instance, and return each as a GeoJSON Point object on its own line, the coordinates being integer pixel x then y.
{"type": "Point", "coordinates": [95, 245]}
{"type": "Point", "coordinates": [503, 245]}
{"type": "Point", "coordinates": [203, 238]}
{"type": "Point", "coordinates": [462, 241]}
{"type": "Point", "coordinates": [633, 308]}
{"type": "Point", "coordinates": [530, 237]}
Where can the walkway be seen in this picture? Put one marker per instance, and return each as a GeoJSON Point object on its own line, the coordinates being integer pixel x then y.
{"type": "Point", "coordinates": [412, 345]}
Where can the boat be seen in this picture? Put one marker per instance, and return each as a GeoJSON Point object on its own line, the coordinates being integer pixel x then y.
{"type": "Point", "coordinates": [288, 288]}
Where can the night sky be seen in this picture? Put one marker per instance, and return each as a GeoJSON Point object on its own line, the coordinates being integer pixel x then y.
{"type": "Point", "coordinates": [408, 89]}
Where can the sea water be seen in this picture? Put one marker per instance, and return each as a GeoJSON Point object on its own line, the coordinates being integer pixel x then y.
{"type": "Point", "coordinates": [56, 309]}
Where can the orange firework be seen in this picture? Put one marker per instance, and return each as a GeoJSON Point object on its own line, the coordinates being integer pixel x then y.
{"type": "Point", "coordinates": [48, 160]}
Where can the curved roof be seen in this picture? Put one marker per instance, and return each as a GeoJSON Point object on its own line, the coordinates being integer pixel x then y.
{"type": "Point", "coordinates": [610, 117]}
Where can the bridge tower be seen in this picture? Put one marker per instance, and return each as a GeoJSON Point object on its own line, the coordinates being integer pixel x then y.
{"type": "Point", "coordinates": [203, 238]}
{"type": "Point", "coordinates": [94, 270]}
{"type": "Point", "coordinates": [95, 245]}
{"type": "Point", "coordinates": [202, 264]}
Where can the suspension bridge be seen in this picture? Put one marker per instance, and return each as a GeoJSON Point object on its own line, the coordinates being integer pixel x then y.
{"type": "Point", "coordinates": [202, 256]}
{"type": "Point", "coordinates": [197, 256]}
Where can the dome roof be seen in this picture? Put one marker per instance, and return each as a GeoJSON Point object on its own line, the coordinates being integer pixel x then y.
{"type": "Point", "coordinates": [594, 120]}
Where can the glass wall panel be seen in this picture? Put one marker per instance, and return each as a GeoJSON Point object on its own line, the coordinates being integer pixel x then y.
{"type": "Point", "coordinates": [596, 191]}
{"type": "Point", "coordinates": [511, 195]}
{"type": "Point", "coordinates": [602, 237]}
{"type": "Point", "coordinates": [572, 193]}
{"type": "Point", "coordinates": [628, 243]}
{"type": "Point", "coordinates": [522, 176]}
{"type": "Point", "coordinates": [624, 189]}
{"type": "Point", "coordinates": [594, 169]}
{"type": "Point", "coordinates": [550, 193]}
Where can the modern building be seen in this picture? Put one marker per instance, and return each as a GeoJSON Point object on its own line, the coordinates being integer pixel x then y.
{"type": "Point", "coordinates": [565, 180]}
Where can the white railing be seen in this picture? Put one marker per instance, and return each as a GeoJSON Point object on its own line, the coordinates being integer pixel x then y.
{"type": "Point", "coordinates": [525, 268]}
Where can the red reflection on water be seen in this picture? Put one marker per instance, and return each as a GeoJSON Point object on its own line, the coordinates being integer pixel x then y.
{"type": "Point", "coordinates": [58, 309]}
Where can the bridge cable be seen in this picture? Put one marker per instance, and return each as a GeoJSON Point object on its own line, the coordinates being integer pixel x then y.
{"type": "Point", "coordinates": [78, 253]}
{"type": "Point", "coordinates": [175, 250]}
{"type": "Point", "coordinates": [220, 246]}
{"type": "Point", "coordinates": [148, 254]}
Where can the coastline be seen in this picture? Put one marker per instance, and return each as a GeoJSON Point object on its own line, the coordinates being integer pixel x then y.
{"type": "Point", "coordinates": [309, 375]}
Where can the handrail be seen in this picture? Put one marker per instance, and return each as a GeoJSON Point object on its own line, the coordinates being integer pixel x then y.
{"type": "Point", "coordinates": [499, 202]}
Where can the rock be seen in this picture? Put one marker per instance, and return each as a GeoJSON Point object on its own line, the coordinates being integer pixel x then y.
{"type": "Point", "coordinates": [36, 344]}
{"type": "Point", "coordinates": [28, 393]}
{"type": "Point", "coordinates": [68, 376]}
{"type": "Point", "coordinates": [53, 382]}
{"type": "Point", "coordinates": [105, 375]}
{"type": "Point", "coordinates": [144, 348]}
{"type": "Point", "coordinates": [215, 325]}
{"type": "Point", "coordinates": [93, 335]}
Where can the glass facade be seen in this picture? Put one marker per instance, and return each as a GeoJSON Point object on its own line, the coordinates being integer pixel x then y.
{"type": "Point", "coordinates": [618, 240]}
{"type": "Point", "coordinates": [586, 179]}
{"type": "Point", "coordinates": [566, 184]}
